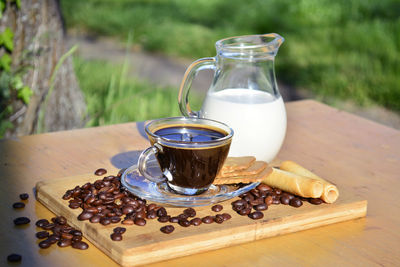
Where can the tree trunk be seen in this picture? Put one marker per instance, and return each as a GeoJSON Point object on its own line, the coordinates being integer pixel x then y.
{"type": "Point", "coordinates": [39, 44]}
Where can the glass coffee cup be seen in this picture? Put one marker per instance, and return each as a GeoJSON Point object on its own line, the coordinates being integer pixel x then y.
{"type": "Point", "coordinates": [189, 151]}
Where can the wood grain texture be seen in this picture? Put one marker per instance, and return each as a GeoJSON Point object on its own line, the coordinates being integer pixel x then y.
{"type": "Point", "coordinates": [358, 155]}
{"type": "Point", "coordinates": [143, 245]}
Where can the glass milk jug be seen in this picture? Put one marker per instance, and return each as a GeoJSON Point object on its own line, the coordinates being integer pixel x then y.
{"type": "Point", "coordinates": [243, 94]}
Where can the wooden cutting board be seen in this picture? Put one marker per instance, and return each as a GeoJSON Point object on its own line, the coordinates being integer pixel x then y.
{"type": "Point", "coordinates": [146, 244]}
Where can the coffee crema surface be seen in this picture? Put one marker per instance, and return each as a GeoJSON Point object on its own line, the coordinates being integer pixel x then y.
{"type": "Point", "coordinates": [187, 133]}
{"type": "Point", "coordinates": [191, 166]}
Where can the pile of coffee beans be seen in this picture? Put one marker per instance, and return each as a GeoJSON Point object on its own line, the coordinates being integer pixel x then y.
{"type": "Point", "coordinates": [60, 233]}
{"type": "Point", "coordinates": [106, 202]}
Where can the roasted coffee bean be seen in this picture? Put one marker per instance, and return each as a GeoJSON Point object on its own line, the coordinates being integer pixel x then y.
{"type": "Point", "coordinates": [105, 221]}
{"type": "Point", "coordinates": [120, 230]}
{"type": "Point", "coordinates": [67, 195]}
{"type": "Point", "coordinates": [86, 186]}
{"type": "Point", "coordinates": [296, 202]}
{"type": "Point", "coordinates": [141, 214]}
{"type": "Point", "coordinates": [74, 205]}
{"type": "Point", "coordinates": [263, 187]}
{"type": "Point", "coordinates": [42, 234]}
{"type": "Point", "coordinates": [48, 226]}
{"type": "Point", "coordinates": [151, 214]}
{"type": "Point", "coordinates": [268, 200]}
{"type": "Point", "coordinates": [239, 204]}
{"type": "Point", "coordinates": [207, 219]}
{"type": "Point", "coordinates": [285, 199]}
{"type": "Point", "coordinates": [61, 220]}
{"type": "Point", "coordinates": [315, 201]}
{"type": "Point", "coordinates": [140, 221]}
{"type": "Point", "coordinates": [115, 219]}
{"type": "Point", "coordinates": [256, 201]}
{"type": "Point", "coordinates": [45, 244]}
{"type": "Point", "coordinates": [97, 202]}
{"type": "Point", "coordinates": [127, 209]}
{"type": "Point", "coordinates": [195, 221]}
{"type": "Point", "coordinates": [76, 232]}
{"type": "Point", "coordinates": [226, 216]}
{"type": "Point", "coordinates": [116, 237]}
{"type": "Point", "coordinates": [24, 196]}
{"type": "Point", "coordinates": [167, 229]}
{"type": "Point", "coordinates": [261, 207]}
{"type": "Point", "coordinates": [66, 229]}
{"type": "Point", "coordinates": [93, 210]}
{"type": "Point", "coordinates": [67, 236]}
{"type": "Point", "coordinates": [248, 198]}
{"type": "Point", "coordinates": [21, 220]}
{"type": "Point", "coordinates": [219, 218]}
{"type": "Point", "coordinates": [64, 243]}
{"type": "Point", "coordinates": [55, 237]}
{"type": "Point", "coordinates": [174, 219]}
{"type": "Point", "coordinates": [161, 212]}
{"type": "Point", "coordinates": [151, 206]}
{"type": "Point", "coordinates": [52, 240]}
{"type": "Point", "coordinates": [164, 219]}
{"type": "Point", "coordinates": [290, 196]}
{"type": "Point", "coordinates": [18, 205]}
{"type": "Point", "coordinates": [109, 178]}
{"type": "Point", "coordinates": [14, 257]}
{"type": "Point", "coordinates": [85, 215]}
{"type": "Point", "coordinates": [134, 203]}
{"type": "Point", "coordinates": [95, 219]}
{"type": "Point", "coordinates": [256, 215]}
{"type": "Point", "coordinates": [277, 191]}
{"type": "Point", "coordinates": [244, 212]}
{"type": "Point", "coordinates": [184, 223]}
{"type": "Point", "coordinates": [80, 245]}
{"type": "Point", "coordinates": [76, 238]}
{"type": "Point", "coordinates": [217, 208]}
{"type": "Point", "coordinates": [276, 202]}
{"type": "Point", "coordinates": [42, 222]}
{"type": "Point", "coordinates": [100, 172]}
{"type": "Point", "coordinates": [127, 222]}
{"type": "Point", "coordinates": [183, 216]}
{"type": "Point", "coordinates": [118, 195]}
{"type": "Point", "coordinates": [190, 212]}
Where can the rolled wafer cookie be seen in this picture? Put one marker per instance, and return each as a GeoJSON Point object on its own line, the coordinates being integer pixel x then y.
{"type": "Point", "coordinates": [293, 183]}
{"type": "Point", "coordinates": [330, 192]}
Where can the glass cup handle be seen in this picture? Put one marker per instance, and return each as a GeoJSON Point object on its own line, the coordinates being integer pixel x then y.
{"type": "Point", "coordinates": [190, 74]}
{"type": "Point", "coordinates": [142, 163]}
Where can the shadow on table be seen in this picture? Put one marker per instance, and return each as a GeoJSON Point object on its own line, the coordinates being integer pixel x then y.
{"type": "Point", "coordinates": [125, 159]}
{"type": "Point", "coordinates": [140, 128]}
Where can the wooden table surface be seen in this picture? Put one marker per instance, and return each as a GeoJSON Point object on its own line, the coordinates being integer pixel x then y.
{"type": "Point", "coordinates": [352, 152]}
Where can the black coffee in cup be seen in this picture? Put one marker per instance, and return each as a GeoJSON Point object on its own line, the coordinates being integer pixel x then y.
{"type": "Point", "coordinates": [190, 152]}
{"type": "Point", "coordinates": [191, 167]}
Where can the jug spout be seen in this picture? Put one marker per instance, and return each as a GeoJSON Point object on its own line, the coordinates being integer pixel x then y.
{"type": "Point", "coordinates": [255, 46]}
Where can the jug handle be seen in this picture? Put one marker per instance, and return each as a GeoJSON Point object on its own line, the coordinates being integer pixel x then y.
{"type": "Point", "coordinates": [190, 74]}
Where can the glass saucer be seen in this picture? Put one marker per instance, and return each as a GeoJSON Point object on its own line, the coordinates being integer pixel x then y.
{"type": "Point", "coordinates": [161, 193]}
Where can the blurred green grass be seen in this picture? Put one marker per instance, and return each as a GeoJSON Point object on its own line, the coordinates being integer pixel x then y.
{"type": "Point", "coordinates": [112, 97]}
{"type": "Point", "coordinates": [337, 49]}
